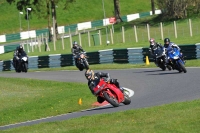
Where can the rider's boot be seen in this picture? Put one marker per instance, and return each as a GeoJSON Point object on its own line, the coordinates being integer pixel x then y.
{"type": "Point", "coordinates": [100, 99]}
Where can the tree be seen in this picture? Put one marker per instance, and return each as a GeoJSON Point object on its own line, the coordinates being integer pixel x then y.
{"type": "Point", "coordinates": [117, 11]}
{"type": "Point", "coordinates": [176, 9]}
{"type": "Point", "coordinates": [153, 6]}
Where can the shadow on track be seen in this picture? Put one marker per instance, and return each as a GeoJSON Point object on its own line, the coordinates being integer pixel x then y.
{"type": "Point", "coordinates": [166, 73]}
{"type": "Point", "coordinates": [149, 71]}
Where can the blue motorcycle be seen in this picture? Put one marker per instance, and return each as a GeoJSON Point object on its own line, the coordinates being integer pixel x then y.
{"type": "Point", "coordinates": [175, 60]}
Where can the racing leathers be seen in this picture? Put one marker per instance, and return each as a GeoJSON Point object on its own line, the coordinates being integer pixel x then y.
{"type": "Point", "coordinates": [169, 47]}
{"type": "Point", "coordinates": [152, 49]}
{"type": "Point", "coordinates": [18, 54]}
{"type": "Point", "coordinates": [76, 50]}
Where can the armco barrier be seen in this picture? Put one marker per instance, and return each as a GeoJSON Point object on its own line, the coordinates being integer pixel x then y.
{"type": "Point", "coordinates": [33, 62]}
{"type": "Point", "coordinates": [43, 61]}
{"type": "Point", "coordinates": [189, 51]}
{"type": "Point", "coordinates": [66, 60]}
{"type": "Point", "coordinates": [106, 56]}
{"type": "Point", "coordinates": [120, 56]}
{"type": "Point", "coordinates": [54, 60]}
{"type": "Point", "coordinates": [129, 55]}
{"type": "Point", "coordinates": [135, 55]}
{"type": "Point", "coordinates": [1, 65]}
{"type": "Point", "coordinates": [6, 66]}
{"type": "Point", "coordinates": [198, 50]}
{"type": "Point", "coordinates": [93, 57]}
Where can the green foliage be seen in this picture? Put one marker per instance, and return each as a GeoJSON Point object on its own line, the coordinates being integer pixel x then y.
{"type": "Point", "coordinates": [178, 9]}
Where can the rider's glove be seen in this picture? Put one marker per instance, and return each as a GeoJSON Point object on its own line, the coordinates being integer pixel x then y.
{"type": "Point", "coordinates": [17, 57]}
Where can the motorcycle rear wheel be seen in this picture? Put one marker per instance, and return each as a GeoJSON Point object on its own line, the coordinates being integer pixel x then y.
{"type": "Point", "coordinates": [112, 100]}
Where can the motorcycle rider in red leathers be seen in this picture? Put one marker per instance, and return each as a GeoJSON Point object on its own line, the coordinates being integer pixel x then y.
{"type": "Point", "coordinates": [94, 79]}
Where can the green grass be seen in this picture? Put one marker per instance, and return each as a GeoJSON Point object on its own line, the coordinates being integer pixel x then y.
{"type": "Point", "coordinates": [28, 99]}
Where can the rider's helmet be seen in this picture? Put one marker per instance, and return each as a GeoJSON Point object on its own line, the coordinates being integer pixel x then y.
{"type": "Point", "coordinates": [20, 48]}
{"type": "Point", "coordinates": [152, 41]}
{"type": "Point", "coordinates": [89, 74]}
{"type": "Point", "coordinates": [166, 41]}
{"type": "Point", "coordinates": [75, 44]}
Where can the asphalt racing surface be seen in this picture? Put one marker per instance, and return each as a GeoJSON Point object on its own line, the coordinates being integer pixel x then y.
{"type": "Point", "coordinates": [151, 87]}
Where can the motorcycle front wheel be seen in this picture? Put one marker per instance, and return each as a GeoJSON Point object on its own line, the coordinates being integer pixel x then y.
{"type": "Point", "coordinates": [127, 99]}
{"type": "Point", "coordinates": [25, 67]}
{"type": "Point", "coordinates": [162, 66]}
{"type": "Point", "coordinates": [112, 100]}
{"type": "Point", "coordinates": [86, 64]}
{"type": "Point", "coordinates": [182, 67]}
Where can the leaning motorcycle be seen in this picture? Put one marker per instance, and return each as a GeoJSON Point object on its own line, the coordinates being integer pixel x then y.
{"type": "Point", "coordinates": [175, 60]}
{"type": "Point", "coordinates": [111, 93]}
{"type": "Point", "coordinates": [82, 62]}
{"type": "Point", "coordinates": [160, 57]}
{"type": "Point", "coordinates": [22, 64]}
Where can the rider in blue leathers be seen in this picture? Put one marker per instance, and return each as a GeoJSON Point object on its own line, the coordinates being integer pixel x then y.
{"type": "Point", "coordinates": [169, 47]}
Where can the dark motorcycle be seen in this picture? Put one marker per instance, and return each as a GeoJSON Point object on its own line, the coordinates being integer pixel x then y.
{"type": "Point", "coordinates": [22, 64]}
{"type": "Point", "coordinates": [175, 60]}
{"type": "Point", "coordinates": [81, 61]}
{"type": "Point", "coordinates": [111, 93]}
{"type": "Point", "coordinates": [160, 57]}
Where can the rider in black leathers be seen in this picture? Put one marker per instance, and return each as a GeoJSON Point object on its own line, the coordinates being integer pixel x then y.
{"type": "Point", "coordinates": [18, 53]}
{"type": "Point", "coordinates": [76, 49]}
{"type": "Point", "coordinates": [94, 79]}
{"type": "Point", "coordinates": [153, 46]}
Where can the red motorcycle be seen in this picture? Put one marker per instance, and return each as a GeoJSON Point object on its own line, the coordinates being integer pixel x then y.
{"type": "Point", "coordinates": [111, 93]}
